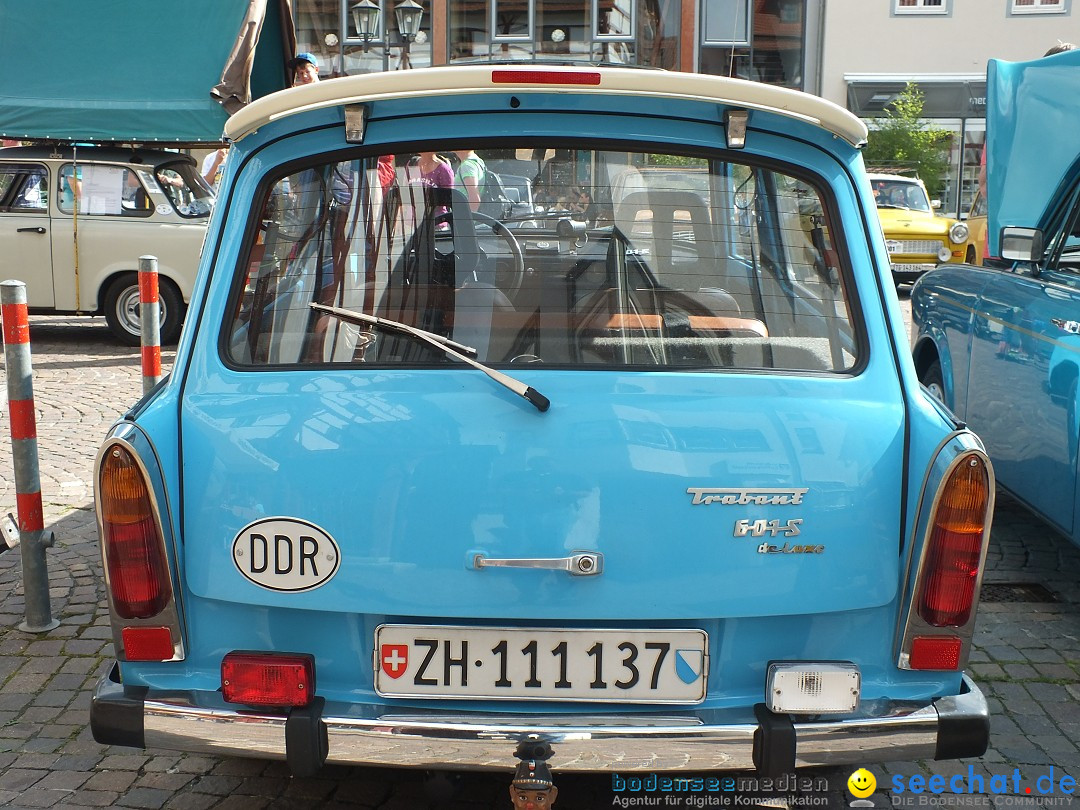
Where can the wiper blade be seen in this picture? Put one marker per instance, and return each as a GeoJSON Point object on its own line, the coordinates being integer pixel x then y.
{"type": "Point", "coordinates": [445, 345]}
{"type": "Point", "coordinates": [391, 326]}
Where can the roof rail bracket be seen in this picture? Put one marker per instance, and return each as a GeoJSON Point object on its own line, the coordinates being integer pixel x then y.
{"type": "Point", "coordinates": [355, 118]}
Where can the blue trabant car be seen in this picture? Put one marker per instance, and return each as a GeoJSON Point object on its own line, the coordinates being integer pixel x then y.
{"type": "Point", "coordinates": [1001, 345]}
{"type": "Point", "coordinates": [639, 478]}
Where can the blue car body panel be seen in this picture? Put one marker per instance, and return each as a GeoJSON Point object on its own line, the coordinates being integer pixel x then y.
{"type": "Point", "coordinates": [1005, 338]}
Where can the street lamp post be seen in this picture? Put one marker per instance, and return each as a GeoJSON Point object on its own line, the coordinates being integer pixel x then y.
{"type": "Point", "coordinates": [365, 15]}
{"type": "Point", "coordinates": [409, 14]}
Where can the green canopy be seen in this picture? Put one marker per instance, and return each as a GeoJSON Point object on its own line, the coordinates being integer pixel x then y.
{"type": "Point", "coordinates": [133, 71]}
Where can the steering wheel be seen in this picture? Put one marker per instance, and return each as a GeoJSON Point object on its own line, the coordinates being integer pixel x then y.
{"type": "Point", "coordinates": [517, 272]}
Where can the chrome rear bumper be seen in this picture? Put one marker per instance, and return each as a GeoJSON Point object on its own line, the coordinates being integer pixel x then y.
{"type": "Point", "coordinates": [947, 728]}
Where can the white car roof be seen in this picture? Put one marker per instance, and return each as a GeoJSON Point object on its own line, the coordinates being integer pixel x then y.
{"type": "Point", "coordinates": [454, 80]}
{"type": "Point", "coordinates": [896, 178]}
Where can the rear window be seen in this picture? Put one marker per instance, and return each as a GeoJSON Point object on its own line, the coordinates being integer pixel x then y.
{"type": "Point", "coordinates": [571, 258]}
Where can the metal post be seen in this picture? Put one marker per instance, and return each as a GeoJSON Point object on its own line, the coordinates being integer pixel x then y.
{"type": "Point", "coordinates": [33, 539]}
{"type": "Point", "coordinates": [150, 321]}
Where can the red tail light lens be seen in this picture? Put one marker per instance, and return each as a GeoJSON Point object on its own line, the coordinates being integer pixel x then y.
{"type": "Point", "coordinates": [956, 542]}
{"type": "Point", "coordinates": [147, 643]}
{"type": "Point", "coordinates": [936, 652]}
{"type": "Point", "coordinates": [266, 679]}
{"type": "Point", "coordinates": [134, 551]}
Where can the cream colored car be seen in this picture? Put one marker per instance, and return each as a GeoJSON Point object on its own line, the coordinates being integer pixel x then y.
{"type": "Point", "coordinates": [74, 222]}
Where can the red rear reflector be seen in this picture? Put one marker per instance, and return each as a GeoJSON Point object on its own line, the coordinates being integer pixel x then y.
{"type": "Point", "coordinates": [147, 643]}
{"type": "Point", "coordinates": [266, 679]}
{"type": "Point", "coordinates": [138, 573]}
{"type": "Point", "coordinates": [544, 77]}
{"type": "Point", "coordinates": [935, 652]}
{"type": "Point", "coordinates": [956, 542]}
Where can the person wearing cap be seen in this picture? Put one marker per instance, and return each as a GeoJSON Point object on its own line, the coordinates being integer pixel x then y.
{"type": "Point", "coordinates": [532, 787]}
{"type": "Point", "coordinates": [305, 69]}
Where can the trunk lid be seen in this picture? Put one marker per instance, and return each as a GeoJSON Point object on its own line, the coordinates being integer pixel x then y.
{"type": "Point", "coordinates": [707, 495]}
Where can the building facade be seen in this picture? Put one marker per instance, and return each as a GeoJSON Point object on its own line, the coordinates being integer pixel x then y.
{"type": "Point", "coordinates": [857, 53]}
{"type": "Point", "coordinates": [872, 48]}
{"type": "Point", "coordinates": [767, 40]}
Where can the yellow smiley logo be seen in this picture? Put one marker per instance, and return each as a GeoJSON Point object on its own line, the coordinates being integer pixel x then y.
{"type": "Point", "coordinates": [861, 783]}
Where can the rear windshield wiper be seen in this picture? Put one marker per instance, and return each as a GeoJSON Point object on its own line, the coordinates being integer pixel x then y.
{"type": "Point", "coordinates": [445, 345]}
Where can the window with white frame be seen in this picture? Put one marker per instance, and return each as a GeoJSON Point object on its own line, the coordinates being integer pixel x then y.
{"type": "Point", "coordinates": [920, 7]}
{"type": "Point", "coordinates": [1037, 6]}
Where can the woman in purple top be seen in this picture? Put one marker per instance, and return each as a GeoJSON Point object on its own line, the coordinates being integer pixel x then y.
{"type": "Point", "coordinates": [431, 171]}
{"type": "Point", "coordinates": [435, 172]}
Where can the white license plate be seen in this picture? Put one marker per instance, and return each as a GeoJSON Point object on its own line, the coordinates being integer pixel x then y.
{"type": "Point", "coordinates": [614, 666]}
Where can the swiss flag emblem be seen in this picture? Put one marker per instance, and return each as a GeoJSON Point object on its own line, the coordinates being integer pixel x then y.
{"type": "Point", "coordinates": [395, 659]}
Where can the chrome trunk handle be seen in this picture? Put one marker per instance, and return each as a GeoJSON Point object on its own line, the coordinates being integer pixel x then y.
{"type": "Point", "coordinates": [578, 564]}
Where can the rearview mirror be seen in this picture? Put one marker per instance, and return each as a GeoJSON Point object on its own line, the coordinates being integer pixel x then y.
{"type": "Point", "coordinates": [1021, 244]}
{"type": "Point", "coordinates": [935, 204]}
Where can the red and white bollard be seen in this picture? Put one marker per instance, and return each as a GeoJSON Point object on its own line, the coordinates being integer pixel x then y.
{"type": "Point", "coordinates": [33, 539]}
{"type": "Point", "coordinates": [150, 322]}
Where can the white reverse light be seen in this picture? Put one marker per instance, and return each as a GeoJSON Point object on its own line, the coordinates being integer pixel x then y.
{"type": "Point", "coordinates": [812, 687]}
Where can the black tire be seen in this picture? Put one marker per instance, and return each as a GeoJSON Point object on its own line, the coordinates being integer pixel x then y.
{"type": "Point", "coordinates": [121, 307]}
{"type": "Point", "coordinates": [970, 258]}
{"type": "Point", "coordinates": [934, 381]}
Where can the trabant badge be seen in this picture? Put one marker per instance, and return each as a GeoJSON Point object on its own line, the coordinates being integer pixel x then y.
{"type": "Point", "coordinates": [747, 496]}
{"type": "Point", "coordinates": [285, 554]}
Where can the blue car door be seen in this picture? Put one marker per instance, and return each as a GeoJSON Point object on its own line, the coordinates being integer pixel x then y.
{"type": "Point", "coordinates": [1024, 362]}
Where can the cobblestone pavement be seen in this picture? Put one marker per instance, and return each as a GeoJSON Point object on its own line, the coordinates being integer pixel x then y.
{"type": "Point", "coordinates": [1027, 658]}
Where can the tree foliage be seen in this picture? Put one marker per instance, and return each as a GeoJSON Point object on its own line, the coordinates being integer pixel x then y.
{"type": "Point", "coordinates": [898, 139]}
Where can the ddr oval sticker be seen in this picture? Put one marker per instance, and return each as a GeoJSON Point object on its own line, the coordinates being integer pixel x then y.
{"type": "Point", "coordinates": [285, 554]}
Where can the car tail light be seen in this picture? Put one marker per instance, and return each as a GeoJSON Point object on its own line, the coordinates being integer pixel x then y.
{"type": "Point", "coordinates": [952, 560]}
{"type": "Point", "coordinates": [268, 679]}
{"type": "Point", "coordinates": [579, 77]}
{"type": "Point", "coordinates": [936, 652]}
{"type": "Point", "coordinates": [134, 550]}
{"type": "Point", "coordinates": [147, 643]}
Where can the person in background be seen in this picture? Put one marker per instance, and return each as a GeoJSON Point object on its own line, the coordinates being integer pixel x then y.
{"type": "Point", "coordinates": [434, 171]}
{"type": "Point", "coordinates": [305, 69]}
{"type": "Point", "coordinates": [470, 176]}
{"type": "Point", "coordinates": [212, 167]}
{"type": "Point", "coordinates": [1061, 47]}
{"type": "Point", "coordinates": [387, 173]}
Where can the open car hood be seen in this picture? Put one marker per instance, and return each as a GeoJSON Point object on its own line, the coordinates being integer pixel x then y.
{"type": "Point", "coordinates": [1031, 140]}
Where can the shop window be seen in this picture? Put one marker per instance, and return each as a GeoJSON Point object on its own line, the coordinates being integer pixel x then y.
{"type": "Point", "coordinates": [774, 53]}
{"type": "Point", "coordinates": [1037, 6]}
{"type": "Point", "coordinates": [921, 7]}
{"type": "Point", "coordinates": [631, 32]}
{"type": "Point", "coordinates": [613, 19]}
{"type": "Point", "coordinates": [511, 20]}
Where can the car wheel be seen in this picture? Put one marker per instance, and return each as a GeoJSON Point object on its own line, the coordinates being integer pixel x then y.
{"type": "Point", "coordinates": [970, 258]}
{"type": "Point", "coordinates": [934, 381]}
{"type": "Point", "coordinates": [122, 310]}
